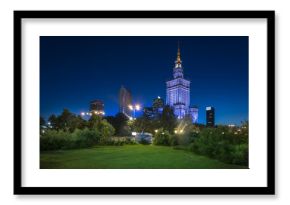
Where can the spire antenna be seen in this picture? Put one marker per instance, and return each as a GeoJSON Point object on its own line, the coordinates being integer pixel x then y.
{"type": "Point", "coordinates": [178, 59]}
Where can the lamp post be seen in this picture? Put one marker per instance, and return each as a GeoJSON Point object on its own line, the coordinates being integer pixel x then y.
{"type": "Point", "coordinates": [134, 108]}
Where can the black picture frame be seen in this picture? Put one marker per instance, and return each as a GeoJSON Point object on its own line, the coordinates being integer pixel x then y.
{"type": "Point", "coordinates": [269, 189]}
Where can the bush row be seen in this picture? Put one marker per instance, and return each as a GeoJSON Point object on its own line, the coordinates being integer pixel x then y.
{"type": "Point", "coordinates": [165, 138]}
{"type": "Point", "coordinates": [55, 140]}
{"type": "Point", "coordinates": [219, 143]}
{"type": "Point", "coordinates": [223, 145]}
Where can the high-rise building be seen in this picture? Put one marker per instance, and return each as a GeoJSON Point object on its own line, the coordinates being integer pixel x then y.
{"type": "Point", "coordinates": [210, 116]}
{"type": "Point", "coordinates": [156, 109]}
{"type": "Point", "coordinates": [125, 99]}
{"type": "Point", "coordinates": [178, 92]}
{"type": "Point", "coordinates": [158, 104]}
{"type": "Point", "coordinates": [97, 107]}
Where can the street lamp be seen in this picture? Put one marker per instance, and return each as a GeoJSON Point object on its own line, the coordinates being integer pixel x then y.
{"type": "Point", "coordinates": [134, 108]}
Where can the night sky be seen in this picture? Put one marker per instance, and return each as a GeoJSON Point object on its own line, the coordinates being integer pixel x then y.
{"type": "Point", "coordinates": [76, 70]}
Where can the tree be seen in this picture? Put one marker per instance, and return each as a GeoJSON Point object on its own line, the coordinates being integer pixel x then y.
{"type": "Point", "coordinates": [168, 119]}
{"type": "Point", "coordinates": [120, 123]}
{"type": "Point", "coordinates": [142, 124]}
{"type": "Point", "coordinates": [77, 122]}
{"type": "Point", "coordinates": [42, 125]}
{"type": "Point", "coordinates": [94, 121]}
{"type": "Point", "coordinates": [101, 125]}
{"type": "Point", "coordinates": [106, 129]}
{"type": "Point", "coordinates": [66, 120]}
{"type": "Point", "coordinates": [54, 122]}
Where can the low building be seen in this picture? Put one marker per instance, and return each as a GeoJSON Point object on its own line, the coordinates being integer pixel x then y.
{"type": "Point", "coordinates": [193, 112]}
{"type": "Point", "coordinates": [97, 107]}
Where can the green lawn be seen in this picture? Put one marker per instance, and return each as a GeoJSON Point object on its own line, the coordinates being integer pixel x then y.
{"type": "Point", "coordinates": [129, 157]}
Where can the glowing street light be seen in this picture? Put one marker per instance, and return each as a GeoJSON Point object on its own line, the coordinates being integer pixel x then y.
{"type": "Point", "coordinates": [137, 107]}
{"type": "Point", "coordinates": [134, 108]}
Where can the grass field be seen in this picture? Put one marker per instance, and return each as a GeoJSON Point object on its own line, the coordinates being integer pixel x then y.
{"type": "Point", "coordinates": [129, 157]}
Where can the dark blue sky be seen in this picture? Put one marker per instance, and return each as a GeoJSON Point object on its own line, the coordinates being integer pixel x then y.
{"type": "Point", "coordinates": [76, 70]}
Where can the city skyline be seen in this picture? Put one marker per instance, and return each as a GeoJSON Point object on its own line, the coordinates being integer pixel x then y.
{"type": "Point", "coordinates": [76, 70]}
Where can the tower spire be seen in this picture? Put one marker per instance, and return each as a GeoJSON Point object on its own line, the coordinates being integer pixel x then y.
{"type": "Point", "coordinates": [178, 70]}
{"type": "Point", "coordinates": [178, 59]}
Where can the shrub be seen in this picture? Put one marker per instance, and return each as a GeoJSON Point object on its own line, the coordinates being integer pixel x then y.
{"type": "Point", "coordinates": [144, 141]}
{"type": "Point", "coordinates": [162, 138]}
{"type": "Point", "coordinates": [222, 144]}
{"type": "Point", "coordinates": [130, 141]}
{"type": "Point", "coordinates": [53, 140]}
{"type": "Point", "coordinates": [173, 140]}
{"type": "Point", "coordinates": [85, 138]}
{"type": "Point", "coordinates": [106, 129]}
{"type": "Point", "coordinates": [240, 155]}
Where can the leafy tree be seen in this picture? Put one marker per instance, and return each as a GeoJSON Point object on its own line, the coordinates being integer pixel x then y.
{"type": "Point", "coordinates": [54, 122]}
{"type": "Point", "coordinates": [106, 129]}
{"type": "Point", "coordinates": [168, 119]}
{"type": "Point", "coordinates": [65, 120]}
{"type": "Point", "coordinates": [120, 123]}
{"type": "Point", "coordinates": [145, 124]}
{"type": "Point", "coordinates": [77, 122]}
{"type": "Point", "coordinates": [102, 125]}
{"type": "Point", "coordinates": [94, 121]}
{"type": "Point", "coordinates": [42, 125]}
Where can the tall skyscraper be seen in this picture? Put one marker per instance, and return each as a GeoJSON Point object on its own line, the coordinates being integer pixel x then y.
{"type": "Point", "coordinates": [178, 92]}
{"type": "Point", "coordinates": [158, 104]}
{"type": "Point", "coordinates": [210, 116]}
{"type": "Point", "coordinates": [97, 107]}
{"type": "Point", "coordinates": [125, 99]}
{"type": "Point", "coordinates": [156, 109]}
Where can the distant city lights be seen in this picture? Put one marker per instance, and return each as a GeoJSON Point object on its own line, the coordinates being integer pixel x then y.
{"type": "Point", "coordinates": [92, 112]}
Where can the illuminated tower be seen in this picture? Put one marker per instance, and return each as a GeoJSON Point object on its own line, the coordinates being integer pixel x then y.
{"type": "Point", "coordinates": [178, 90]}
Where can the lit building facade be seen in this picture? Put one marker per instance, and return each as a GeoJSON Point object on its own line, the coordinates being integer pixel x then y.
{"type": "Point", "coordinates": [156, 109]}
{"type": "Point", "coordinates": [125, 100]}
{"type": "Point", "coordinates": [158, 104]}
{"type": "Point", "coordinates": [97, 107]}
{"type": "Point", "coordinates": [210, 116]}
{"type": "Point", "coordinates": [178, 93]}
